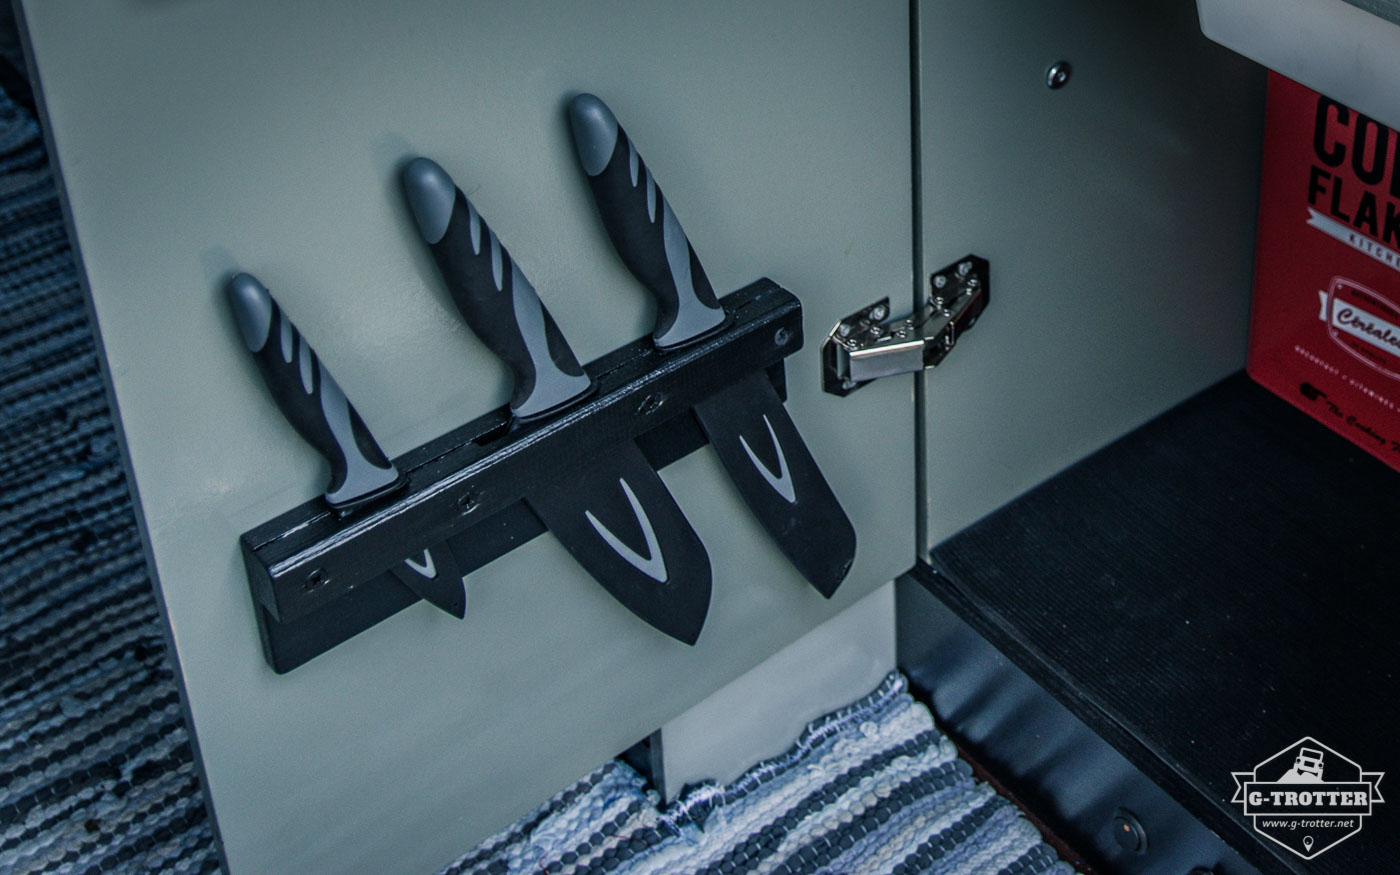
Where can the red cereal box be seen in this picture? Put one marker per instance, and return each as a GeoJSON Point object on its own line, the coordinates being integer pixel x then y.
{"type": "Point", "coordinates": [1325, 321]}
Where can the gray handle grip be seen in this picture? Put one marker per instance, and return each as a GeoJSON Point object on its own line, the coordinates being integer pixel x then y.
{"type": "Point", "coordinates": [642, 226]}
{"type": "Point", "coordinates": [310, 398]}
{"type": "Point", "coordinates": [489, 288]}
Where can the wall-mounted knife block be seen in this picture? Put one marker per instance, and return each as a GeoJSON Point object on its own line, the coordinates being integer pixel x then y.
{"type": "Point", "coordinates": [318, 579]}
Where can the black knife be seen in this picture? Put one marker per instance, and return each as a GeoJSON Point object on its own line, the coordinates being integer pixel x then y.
{"type": "Point", "coordinates": [613, 514]}
{"type": "Point", "coordinates": [316, 407]}
{"type": "Point", "coordinates": [756, 440]}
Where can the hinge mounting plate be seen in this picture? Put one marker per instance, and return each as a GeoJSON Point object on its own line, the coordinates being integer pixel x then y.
{"type": "Point", "coordinates": [867, 344]}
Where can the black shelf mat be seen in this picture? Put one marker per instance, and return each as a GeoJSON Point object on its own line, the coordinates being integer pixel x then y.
{"type": "Point", "coordinates": [1207, 590]}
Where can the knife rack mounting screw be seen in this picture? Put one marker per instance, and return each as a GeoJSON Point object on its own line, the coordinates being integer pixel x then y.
{"type": "Point", "coordinates": [1057, 76]}
{"type": "Point", "coordinates": [316, 579]}
{"type": "Point", "coordinates": [781, 337]}
{"type": "Point", "coordinates": [651, 404]}
{"type": "Point", "coordinates": [467, 503]}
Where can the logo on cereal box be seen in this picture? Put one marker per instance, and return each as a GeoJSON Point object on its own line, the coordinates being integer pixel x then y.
{"type": "Point", "coordinates": [1364, 323]}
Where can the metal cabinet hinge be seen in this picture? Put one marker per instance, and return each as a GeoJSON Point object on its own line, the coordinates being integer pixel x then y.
{"type": "Point", "coordinates": [868, 344]}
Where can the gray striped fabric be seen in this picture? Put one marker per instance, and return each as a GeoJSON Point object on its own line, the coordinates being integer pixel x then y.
{"type": "Point", "coordinates": [872, 788]}
{"type": "Point", "coordinates": [96, 772]}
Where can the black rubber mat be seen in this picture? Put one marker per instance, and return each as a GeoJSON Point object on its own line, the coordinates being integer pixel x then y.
{"type": "Point", "coordinates": [1208, 590]}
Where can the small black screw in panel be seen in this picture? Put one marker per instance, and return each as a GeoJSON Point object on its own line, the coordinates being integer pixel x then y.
{"type": "Point", "coordinates": [651, 404]}
{"type": "Point", "coordinates": [1128, 832]}
{"type": "Point", "coordinates": [467, 503]}
{"type": "Point", "coordinates": [316, 579]}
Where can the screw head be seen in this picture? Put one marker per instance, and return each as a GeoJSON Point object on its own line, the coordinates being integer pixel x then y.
{"type": "Point", "coordinates": [651, 404]}
{"type": "Point", "coordinates": [467, 503]}
{"type": "Point", "coordinates": [782, 336]}
{"type": "Point", "coordinates": [965, 268]}
{"type": "Point", "coordinates": [316, 579]}
{"type": "Point", "coordinates": [1128, 832]}
{"type": "Point", "coordinates": [878, 312]}
{"type": "Point", "coordinates": [1057, 76]}
{"type": "Point", "coordinates": [940, 281]}
{"type": "Point", "coordinates": [844, 330]}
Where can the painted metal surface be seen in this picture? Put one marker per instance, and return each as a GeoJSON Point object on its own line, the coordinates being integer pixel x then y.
{"type": "Point", "coordinates": [1347, 49]}
{"type": "Point", "coordinates": [1117, 213]}
{"type": "Point", "coordinates": [756, 716]}
{"type": "Point", "coordinates": [196, 138]}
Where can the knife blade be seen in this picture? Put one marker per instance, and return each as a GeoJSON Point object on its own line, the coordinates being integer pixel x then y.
{"type": "Point", "coordinates": [756, 440]}
{"type": "Point", "coordinates": [314, 404]}
{"type": "Point", "coordinates": [613, 513]}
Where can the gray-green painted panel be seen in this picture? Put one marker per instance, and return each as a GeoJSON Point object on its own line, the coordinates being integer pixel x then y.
{"type": "Point", "coordinates": [193, 137]}
{"type": "Point", "coordinates": [1118, 214]}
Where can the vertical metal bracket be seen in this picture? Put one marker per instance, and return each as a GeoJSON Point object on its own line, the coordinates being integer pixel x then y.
{"type": "Point", "coordinates": [867, 345]}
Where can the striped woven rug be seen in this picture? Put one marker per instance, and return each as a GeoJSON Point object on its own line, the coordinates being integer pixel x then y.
{"type": "Point", "coordinates": [872, 788]}
{"type": "Point", "coordinates": [96, 770]}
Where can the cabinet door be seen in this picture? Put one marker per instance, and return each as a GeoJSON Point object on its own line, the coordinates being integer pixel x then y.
{"type": "Point", "coordinates": [196, 138]}
{"type": "Point", "coordinates": [1117, 212]}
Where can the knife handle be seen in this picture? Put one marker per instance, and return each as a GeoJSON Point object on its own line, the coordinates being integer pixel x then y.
{"type": "Point", "coordinates": [310, 398]}
{"type": "Point", "coordinates": [497, 301]}
{"type": "Point", "coordinates": [642, 226]}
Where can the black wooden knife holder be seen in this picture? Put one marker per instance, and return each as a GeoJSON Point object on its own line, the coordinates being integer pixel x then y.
{"type": "Point", "coordinates": [318, 579]}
